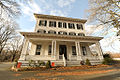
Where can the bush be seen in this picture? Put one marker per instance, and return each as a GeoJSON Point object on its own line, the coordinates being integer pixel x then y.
{"type": "Point", "coordinates": [48, 65]}
{"type": "Point", "coordinates": [31, 62]}
{"type": "Point", "coordinates": [82, 62]}
{"type": "Point", "coordinates": [88, 62]}
{"type": "Point", "coordinates": [41, 63]}
{"type": "Point", "coordinates": [107, 59]}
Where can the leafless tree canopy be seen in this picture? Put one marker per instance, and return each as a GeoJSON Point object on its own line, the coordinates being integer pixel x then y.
{"type": "Point", "coordinates": [9, 9]}
{"type": "Point", "coordinates": [105, 11]}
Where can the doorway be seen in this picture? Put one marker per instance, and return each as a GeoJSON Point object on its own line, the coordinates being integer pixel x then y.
{"type": "Point", "coordinates": [63, 50]}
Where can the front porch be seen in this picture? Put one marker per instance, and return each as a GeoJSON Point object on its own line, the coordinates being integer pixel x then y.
{"type": "Point", "coordinates": [60, 50]}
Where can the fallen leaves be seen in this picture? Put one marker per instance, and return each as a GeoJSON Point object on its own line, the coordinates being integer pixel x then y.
{"type": "Point", "coordinates": [73, 73]}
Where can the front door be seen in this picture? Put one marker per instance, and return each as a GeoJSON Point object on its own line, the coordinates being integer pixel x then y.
{"type": "Point", "coordinates": [63, 50]}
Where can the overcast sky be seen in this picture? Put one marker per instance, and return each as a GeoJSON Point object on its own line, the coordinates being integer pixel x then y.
{"type": "Point", "coordinates": [66, 8]}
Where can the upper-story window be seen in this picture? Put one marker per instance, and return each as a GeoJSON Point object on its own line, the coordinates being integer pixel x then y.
{"type": "Point", "coordinates": [41, 31]}
{"type": "Point", "coordinates": [52, 32]}
{"type": "Point", "coordinates": [81, 34]}
{"type": "Point", "coordinates": [62, 32]}
{"type": "Point", "coordinates": [64, 25]}
{"type": "Point", "coordinates": [79, 26]}
{"type": "Point", "coordinates": [72, 33]}
{"type": "Point", "coordinates": [52, 24]}
{"type": "Point", "coordinates": [43, 23]}
{"type": "Point", "coordinates": [60, 24]}
{"type": "Point", "coordinates": [71, 25]}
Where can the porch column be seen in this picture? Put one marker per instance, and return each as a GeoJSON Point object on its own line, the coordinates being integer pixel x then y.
{"type": "Point", "coordinates": [78, 51]}
{"type": "Point", "coordinates": [53, 48]}
{"type": "Point", "coordinates": [24, 50]}
{"type": "Point", "coordinates": [76, 44]}
{"type": "Point", "coordinates": [100, 53]}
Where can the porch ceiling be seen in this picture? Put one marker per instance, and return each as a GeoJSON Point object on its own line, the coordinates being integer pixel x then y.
{"type": "Point", "coordinates": [35, 35]}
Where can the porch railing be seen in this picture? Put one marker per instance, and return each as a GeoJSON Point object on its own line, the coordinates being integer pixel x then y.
{"type": "Point", "coordinates": [62, 57]}
{"type": "Point", "coordinates": [72, 57]}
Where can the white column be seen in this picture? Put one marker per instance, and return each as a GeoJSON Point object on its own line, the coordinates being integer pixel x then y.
{"type": "Point", "coordinates": [52, 48]}
{"type": "Point", "coordinates": [79, 52]}
{"type": "Point", "coordinates": [24, 50]}
{"type": "Point", "coordinates": [100, 53]}
{"type": "Point", "coordinates": [76, 44]}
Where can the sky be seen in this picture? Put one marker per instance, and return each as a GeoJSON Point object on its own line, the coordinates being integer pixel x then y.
{"type": "Point", "coordinates": [66, 8]}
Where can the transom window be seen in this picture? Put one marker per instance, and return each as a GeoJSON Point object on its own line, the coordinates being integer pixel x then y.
{"type": "Point", "coordinates": [84, 52]}
{"type": "Point", "coordinates": [72, 33]}
{"type": "Point", "coordinates": [81, 34]}
{"type": "Point", "coordinates": [49, 49]}
{"type": "Point", "coordinates": [43, 23]}
{"type": "Point", "coordinates": [74, 50]}
{"type": "Point", "coordinates": [41, 31]}
{"type": "Point", "coordinates": [71, 25]}
{"type": "Point", "coordinates": [51, 32]}
{"type": "Point", "coordinates": [38, 50]}
{"type": "Point", "coordinates": [79, 26]}
{"type": "Point", "coordinates": [62, 32]}
{"type": "Point", "coordinates": [52, 23]}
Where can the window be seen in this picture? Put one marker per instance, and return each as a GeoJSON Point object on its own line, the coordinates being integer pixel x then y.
{"type": "Point", "coordinates": [60, 24]}
{"type": "Point", "coordinates": [41, 31]}
{"type": "Point", "coordinates": [73, 50]}
{"type": "Point", "coordinates": [81, 34]}
{"type": "Point", "coordinates": [62, 32]}
{"type": "Point", "coordinates": [64, 25]}
{"type": "Point", "coordinates": [38, 49]}
{"type": "Point", "coordinates": [43, 23]}
{"type": "Point", "coordinates": [72, 33]}
{"type": "Point", "coordinates": [79, 26]}
{"type": "Point", "coordinates": [71, 25]}
{"type": "Point", "coordinates": [49, 49]}
{"type": "Point", "coordinates": [84, 50]}
{"type": "Point", "coordinates": [52, 24]}
{"type": "Point", "coordinates": [51, 32]}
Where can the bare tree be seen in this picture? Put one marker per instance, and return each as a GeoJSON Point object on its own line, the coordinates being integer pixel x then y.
{"type": "Point", "coordinates": [9, 12]}
{"type": "Point", "coordinates": [6, 33]}
{"type": "Point", "coordinates": [15, 47]}
{"type": "Point", "coordinates": [106, 12]}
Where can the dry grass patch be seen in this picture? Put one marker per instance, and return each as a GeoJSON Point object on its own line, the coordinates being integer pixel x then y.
{"type": "Point", "coordinates": [74, 73]}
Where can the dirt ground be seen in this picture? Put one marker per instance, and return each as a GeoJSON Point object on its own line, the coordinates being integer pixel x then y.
{"type": "Point", "coordinates": [62, 73]}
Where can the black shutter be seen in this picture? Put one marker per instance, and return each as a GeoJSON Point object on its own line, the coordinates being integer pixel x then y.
{"type": "Point", "coordinates": [45, 23]}
{"type": "Point", "coordinates": [54, 24]}
{"type": "Point", "coordinates": [40, 23]}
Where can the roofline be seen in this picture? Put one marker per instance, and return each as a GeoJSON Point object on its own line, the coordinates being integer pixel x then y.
{"type": "Point", "coordinates": [54, 35]}
{"type": "Point", "coordinates": [59, 18]}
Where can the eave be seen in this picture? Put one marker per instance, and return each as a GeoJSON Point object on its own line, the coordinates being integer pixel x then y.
{"type": "Point", "coordinates": [59, 18]}
{"type": "Point", "coordinates": [35, 35]}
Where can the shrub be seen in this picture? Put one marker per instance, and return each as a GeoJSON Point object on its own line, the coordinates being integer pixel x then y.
{"type": "Point", "coordinates": [107, 59]}
{"type": "Point", "coordinates": [48, 65]}
{"type": "Point", "coordinates": [41, 63]}
{"type": "Point", "coordinates": [82, 62]}
{"type": "Point", "coordinates": [88, 62]}
{"type": "Point", "coordinates": [31, 62]}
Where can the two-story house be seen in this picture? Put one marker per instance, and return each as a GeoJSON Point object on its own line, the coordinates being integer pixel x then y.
{"type": "Point", "coordinates": [61, 40]}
